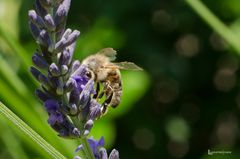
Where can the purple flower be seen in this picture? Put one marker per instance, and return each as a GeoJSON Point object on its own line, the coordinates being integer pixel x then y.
{"type": "Point", "coordinates": [98, 150]}
{"type": "Point", "coordinates": [55, 116]}
{"type": "Point", "coordinates": [67, 92]}
{"type": "Point", "coordinates": [66, 89]}
{"type": "Point", "coordinates": [94, 145]}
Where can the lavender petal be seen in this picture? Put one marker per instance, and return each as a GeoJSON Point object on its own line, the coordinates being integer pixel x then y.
{"type": "Point", "coordinates": [114, 154]}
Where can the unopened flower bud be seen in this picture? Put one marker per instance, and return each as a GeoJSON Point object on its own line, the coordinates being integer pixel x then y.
{"type": "Point", "coordinates": [49, 22]}
{"type": "Point", "coordinates": [35, 72]}
{"type": "Point", "coordinates": [73, 109]}
{"type": "Point", "coordinates": [114, 154]}
{"type": "Point", "coordinates": [103, 153]}
{"type": "Point", "coordinates": [54, 70]}
{"type": "Point", "coordinates": [64, 69]}
{"type": "Point", "coordinates": [39, 61]}
{"type": "Point", "coordinates": [41, 95]}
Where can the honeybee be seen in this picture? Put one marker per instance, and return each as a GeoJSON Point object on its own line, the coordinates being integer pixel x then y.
{"type": "Point", "coordinates": [103, 70]}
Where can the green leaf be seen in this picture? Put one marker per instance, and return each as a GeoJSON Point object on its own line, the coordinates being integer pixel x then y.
{"type": "Point", "coordinates": [35, 117]}
{"type": "Point", "coordinates": [11, 142]}
{"type": "Point", "coordinates": [30, 132]}
{"type": "Point", "coordinates": [105, 128]}
{"type": "Point", "coordinates": [215, 23]}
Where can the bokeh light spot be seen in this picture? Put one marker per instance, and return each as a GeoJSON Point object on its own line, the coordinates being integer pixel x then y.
{"type": "Point", "coordinates": [177, 149]}
{"type": "Point", "coordinates": [177, 129]}
{"type": "Point", "coordinates": [167, 90]}
{"type": "Point", "coordinates": [188, 45]}
{"type": "Point", "coordinates": [224, 80]}
{"type": "Point", "coordinates": [162, 21]}
{"type": "Point", "coordinates": [143, 139]}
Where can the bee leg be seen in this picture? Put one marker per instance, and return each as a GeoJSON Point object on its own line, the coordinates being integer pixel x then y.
{"type": "Point", "coordinates": [101, 95]}
{"type": "Point", "coordinates": [97, 90]}
{"type": "Point", "coordinates": [106, 103]}
{"type": "Point", "coordinates": [103, 91]}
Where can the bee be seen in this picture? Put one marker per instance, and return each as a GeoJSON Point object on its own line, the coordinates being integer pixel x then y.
{"type": "Point", "coordinates": [103, 70]}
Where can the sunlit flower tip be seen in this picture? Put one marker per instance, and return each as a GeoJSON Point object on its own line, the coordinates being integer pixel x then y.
{"type": "Point", "coordinates": [60, 45]}
{"type": "Point", "coordinates": [77, 157]}
{"type": "Point", "coordinates": [49, 22]}
{"type": "Point", "coordinates": [79, 148]}
{"type": "Point", "coordinates": [54, 70]}
{"type": "Point", "coordinates": [44, 38]}
{"type": "Point", "coordinates": [114, 154]}
{"type": "Point", "coordinates": [73, 109]}
{"type": "Point", "coordinates": [39, 61]}
{"type": "Point", "coordinates": [76, 132]}
{"type": "Point", "coordinates": [41, 95]}
{"type": "Point", "coordinates": [64, 69]}
{"type": "Point", "coordinates": [67, 32]}
{"type": "Point", "coordinates": [32, 15]}
{"type": "Point", "coordinates": [37, 20]}
{"type": "Point", "coordinates": [73, 37]}
{"type": "Point", "coordinates": [62, 10]}
{"type": "Point", "coordinates": [86, 133]}
{"type": "Point", "coordinates": [88, 125]}
{"type": "Point", "coordinates": [103, 153]}
{"type": "Point", "coordinates": [64, 42]}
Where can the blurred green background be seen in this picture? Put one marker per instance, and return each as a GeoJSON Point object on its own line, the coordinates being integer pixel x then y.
{"type": "Point", "coordinates": [185, 103]}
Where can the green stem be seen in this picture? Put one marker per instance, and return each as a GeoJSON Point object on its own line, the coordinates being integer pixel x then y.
{"type": "Point", "coordinates": [87, 149]}
{"type": "Point", "coordinates": [7, 113]}
{"type": "Point", "coordinates": [215, 23]}
{"type": "Point", "coordinates": [87, 152]}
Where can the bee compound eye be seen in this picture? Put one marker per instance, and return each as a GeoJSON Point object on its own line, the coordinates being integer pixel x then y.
{"type": "Point", "coordinates": [89, 74]}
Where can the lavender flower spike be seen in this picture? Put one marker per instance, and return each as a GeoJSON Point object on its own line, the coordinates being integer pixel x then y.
{"type": "Point", "coordinates": [66, 90]}
{"type": "Point", "coordinates": [98, 150]}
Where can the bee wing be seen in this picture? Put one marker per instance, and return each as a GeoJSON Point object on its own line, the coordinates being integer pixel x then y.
{"type": "Point", "coordinates": [128, 66]}
{"type": "Point", "coordinates": [109, 52]}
